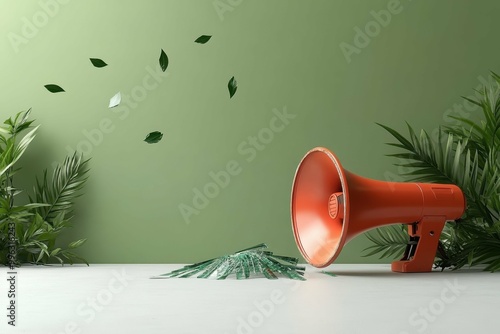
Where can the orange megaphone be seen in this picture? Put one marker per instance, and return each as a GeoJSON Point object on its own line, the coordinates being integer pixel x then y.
{"type": "Point", "coordinates": [330, 206]}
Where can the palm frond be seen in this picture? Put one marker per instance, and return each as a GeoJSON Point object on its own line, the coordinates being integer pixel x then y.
{"type": "Point", "coordinates": [60, 192]}
{"type": "Point", "coordinates": [244, 263]}
{"type": "Point", "coordinates": [388, 241]}
{"type": "Point", "coordinates": [487, 252]}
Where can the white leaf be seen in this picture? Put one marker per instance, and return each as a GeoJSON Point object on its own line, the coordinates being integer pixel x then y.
{"type": "Point", "coordinates": [115, 100]}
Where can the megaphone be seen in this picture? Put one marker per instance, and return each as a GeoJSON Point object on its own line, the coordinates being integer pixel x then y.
{"type": "Point", "coordinates": [330, 206]}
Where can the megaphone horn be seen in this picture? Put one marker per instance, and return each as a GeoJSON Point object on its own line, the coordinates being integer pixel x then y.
{"type": "Point", "coordinates": [330, 206]}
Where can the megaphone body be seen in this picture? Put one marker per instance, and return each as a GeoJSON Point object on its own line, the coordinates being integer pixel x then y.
{"type": "Point", "coordinates": [330, 206]}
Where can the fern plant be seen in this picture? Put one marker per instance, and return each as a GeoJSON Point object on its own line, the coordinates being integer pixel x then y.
{"type": "Point", "coordinates": [28, 232]}
{"type": "Point", "coordinates": [465, 154]}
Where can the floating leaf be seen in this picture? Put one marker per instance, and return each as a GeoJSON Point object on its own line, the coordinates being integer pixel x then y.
{"type": "Point", "coordinates": [253, 260]}
{"type": "Point", "coordinates": [232, 86]}
{"type": "Point", "coordinates": [163, 60]}
{"type": "Point", "coordinates": [153, 137]}
{"type": "Point", "coordinates": [54, 88]}
{"type": "Point", "coordinates": [98, 62]}
{"type": "Point", "coordinates": [203, 39]}
{"type": "Point", "coordinates": [115, 100]}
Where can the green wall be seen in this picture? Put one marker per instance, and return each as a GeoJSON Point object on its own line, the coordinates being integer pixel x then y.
{"type": "Point", "coordinates": [303, 57]}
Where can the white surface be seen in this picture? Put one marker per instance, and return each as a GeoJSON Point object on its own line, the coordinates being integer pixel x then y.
{"type": "Point", "coordinates": [361, 299]}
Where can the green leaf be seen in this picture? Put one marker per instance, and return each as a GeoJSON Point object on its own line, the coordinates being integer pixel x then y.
{"type": "Point", "coordinates": [98, 62]}
{"type": "Point", "coordinates": [232, 86]}
{"type": "Point", "coordinates": [472, 101]}
{"type": "Point", "coordinates": [25, 116]}
{"type": "Point", "coordinates": [153, 137]}
{"type": "Point", "coordinates": [55, 252]}
{"type": "Point", "coordinates": [14, 153]}
{"type": "Point", "coordinates": [77, 243]}
{"type": "Point", "coordinates": [54, 88]}
{"type": "Point", "coordinates": [203, 39]}
{"type": "Point", "coordinates": [163, 61]}
{"type": "Point", "coordinates": [406, 143]}
{"type": "Point", "coordinates": [72, 256]}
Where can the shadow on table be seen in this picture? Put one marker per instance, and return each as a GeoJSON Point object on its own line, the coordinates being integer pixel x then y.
{"type": "Point", "coordinates": [387, 272]}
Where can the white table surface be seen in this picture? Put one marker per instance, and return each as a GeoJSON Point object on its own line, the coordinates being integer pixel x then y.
{"type": "Point", "coordinates": [360, 299]}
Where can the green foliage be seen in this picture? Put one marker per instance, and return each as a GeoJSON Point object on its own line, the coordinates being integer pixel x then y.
{"type": "Point", "coordinates": [31, 229]}
{"type": "Point", "coordinates": [465, 154]}
{"type": "Point", "coordinates": [244, 263]}
{"type": "Point", "coordinates": [389, 240]}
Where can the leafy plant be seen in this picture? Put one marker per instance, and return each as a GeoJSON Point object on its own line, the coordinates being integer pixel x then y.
{"type": "Point", "coordinates": [28, 232]}
{"type": "Point", "coordinates": [466, 154]}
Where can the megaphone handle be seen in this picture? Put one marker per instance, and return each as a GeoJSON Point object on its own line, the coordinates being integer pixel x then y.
{"type": "Point", "coordinates": [421, 250]}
